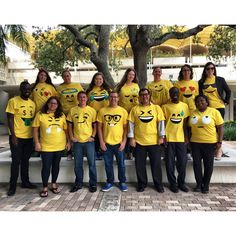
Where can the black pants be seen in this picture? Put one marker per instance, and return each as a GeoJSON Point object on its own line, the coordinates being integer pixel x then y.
{"type": "Point", "coordinates": [154, 154]}
{"type": "Point", "coordinates": [50, 163]}
{"type": "Point", "coordinates": [176, 155]}
{"type": "Point", "coordinates": [205, 152]}
{"type": "Point", "coordinates": [20, 155]}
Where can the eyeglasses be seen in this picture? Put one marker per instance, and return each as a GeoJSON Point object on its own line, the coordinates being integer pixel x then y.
{"type": "Point", "coordinates": [144, 94]}
{"type": "Point", "coordinates": [210, 68]}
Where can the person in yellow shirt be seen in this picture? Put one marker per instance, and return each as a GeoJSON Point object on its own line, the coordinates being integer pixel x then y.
{"type": "Point", "coordinates": [159, 87]}
{"type": "Point", "coordinates": [206, 126]}
{"type": "Point", "coordinates": [42, 89]}
{"type": "Point", "coordinates": [82, 130]}
{"type": "Point", "coordinates": [67, 92]}
{"type": "Point", "coordinates": [176, 114]}
{"type": "Point", "coordinates": [50, 122]}
{"type": "Point", "coordinates": [20, 113]}
{"type": "Point", "coordinates": [128, 90]}
{"type": "Point", "coordinates": [146, 133]}
{"type": "Point", "coordinates": [217, 91]}
{"type": "Point", "coordinates": [112, 131]}
{"type": "Point", "coordinates": [98, 94]}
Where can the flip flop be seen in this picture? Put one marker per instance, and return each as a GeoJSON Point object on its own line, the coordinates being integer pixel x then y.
{"type": "Point", "coordinates": [55, 190]}
{"type": "Point", "coordinates": [43, 193]}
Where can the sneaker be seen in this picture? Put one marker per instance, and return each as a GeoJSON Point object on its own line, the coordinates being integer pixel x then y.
{"type": "Point", "coordinates": [189, 157]}
{"type": "Point", "coordinates": [107, 187]}
{"type": "Point", "coordinates": [123, 187]}
{"type": "Point", "coordinates": [69, 157]}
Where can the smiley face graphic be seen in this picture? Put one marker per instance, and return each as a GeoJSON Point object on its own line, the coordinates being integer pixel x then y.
{"type": "Point", "coordinates": [187, 91]}
{"type": "Point", "coordinates": [177, 118]}
{"type": "Point", "coordinates": [146, 117]}
{"type": "Point", "coordinates": [81, 118]}
{"type": "Point", "coordinates": [209, 88]}
{"type": "Point", "coordinates": [27, 114]}
{"type": "Point", "coordinates": [200, 121]}
{"type": "Point", "coordinates": [69, 94]}
{"type": "Point", "coordinates": [112, 120]}
{"type": "Point", "coordinates": [43, 93]}
{"type": "Point", "coordinates": [96, 96]}
{"type": "Point", "coordinates": [54, 123]}
{"type": "Point", "coordinates": [132, 98]}
{"type": "Point", "coordinates": [158, 88]}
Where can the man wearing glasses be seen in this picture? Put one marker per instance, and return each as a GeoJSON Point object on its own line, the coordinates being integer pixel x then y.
{"type": "Point", "coordinates": [112, 132]}
{"type": "Point", "coordinates": [146, 133]}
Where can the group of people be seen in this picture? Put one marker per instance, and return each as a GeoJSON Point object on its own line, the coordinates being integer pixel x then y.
{"type": "Point", "coordinates": [184, 117]}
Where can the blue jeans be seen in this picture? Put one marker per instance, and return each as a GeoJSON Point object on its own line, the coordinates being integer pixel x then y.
{"type": "Point", "coordinates": [108, 159]}
{"type": "Point", "coordinates": [88, 149]}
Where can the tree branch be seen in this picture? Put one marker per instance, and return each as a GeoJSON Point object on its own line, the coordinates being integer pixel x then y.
{"type": "Point", "coordinates": [176, 35]}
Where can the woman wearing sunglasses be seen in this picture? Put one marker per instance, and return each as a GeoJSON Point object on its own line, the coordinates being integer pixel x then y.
{"type": "Point", "coordinates": [217, 91]}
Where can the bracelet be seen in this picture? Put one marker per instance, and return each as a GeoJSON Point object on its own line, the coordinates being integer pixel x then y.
{"type": "Point", "coordinates": [219, 142]}
{"type": "Point", "coordinates": [92, 137]}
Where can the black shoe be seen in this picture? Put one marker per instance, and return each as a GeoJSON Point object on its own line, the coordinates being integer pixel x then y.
{"type": "Point", "coordinates": [76, 187]}
{"type": "Point", "coordinates": [197, 189]}
{"type": "Point", "coordinates": [174, 189]}
{"type": "Point", "coordinates": [160, 189]}
{"type": "Point", "coordinates": [92, 189]}
{"type": "Point", "coordinates": [28, 185]}
{"type": "Point", "coordinates": [205, 189]}
{"type": "Point", "coordinates": [140, 189]}
{"type": "Point", "coordinates": [183, 188]}
{"type": "Point", "coordinates": [11, 192]}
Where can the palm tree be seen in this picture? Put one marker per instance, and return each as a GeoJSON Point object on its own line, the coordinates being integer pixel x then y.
{"type": "Point", "coordinates": [17, 34]}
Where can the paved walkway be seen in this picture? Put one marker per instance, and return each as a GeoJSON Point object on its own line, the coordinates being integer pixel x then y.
{"type": "Point", "coordinates": [222, 197]}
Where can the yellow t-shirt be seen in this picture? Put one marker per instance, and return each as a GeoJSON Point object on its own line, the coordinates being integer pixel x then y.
{"type": "Point", "coordinates": [113, 120]}
{"type": "Point", "coordinates": [41, 93]}
{"type": "Point", "coordinates": [175, 115]}
{"type": "Point", "coordinates": [68, 95]}
{"type": "Point", "coordinates": [23, 111]}
{"type": "Point", "coordinates": [210, 90]}
{"type": "Point", "coordinates": [159, 91]}
{"type": "Point", "coordinates": [98, 98]}
{"type": "Point", "coordinates": [145, 119]}
{"type": "Point", "coordinates": [188, 90]}
{"type": "Point", "coordinates": [82, 119]}
{"type": "Point", "coordinates": [203, 125]}
{"type": "Point", "coordinates": [128, 96]}
{"type": "Point", "coordinates": [52, 131]}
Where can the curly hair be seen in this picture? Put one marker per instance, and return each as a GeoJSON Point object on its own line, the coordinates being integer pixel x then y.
{"type": "Point", "coordinates": [58, 113]}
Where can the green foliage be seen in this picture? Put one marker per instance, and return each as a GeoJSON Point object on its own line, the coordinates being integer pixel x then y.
{"type": "Point", "coordinates": [222, 43]}
{"type": "Point", "coordinates": [230, 131]}
{"type": "Point", "coordinates": [56, 49]}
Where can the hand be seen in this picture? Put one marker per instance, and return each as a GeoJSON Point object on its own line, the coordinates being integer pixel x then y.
{"type": "Point", "coordinates": [68, 146]}
{"type": "Point", "coordinates": [161, 140]}
{"type": "Point", "coordinates": [14, 140]}
{"type": "Point", "coordinates": [37, 147]}
{"type": "Point", "coordinates": [122, 146]}
{"type": "Point", "coordinates": [103, 146]}
{"type": "Point", "coordinates": [132, 142]}
{"type": "Point", "coordinates": [74, 140]}
{"type": "Point", "coordinates": [91, 139]}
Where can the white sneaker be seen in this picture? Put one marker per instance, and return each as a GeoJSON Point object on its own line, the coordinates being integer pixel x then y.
{"type": "Point", "coordinates": [69, 157]}
{"type": "Point", "coordinates": [189, 157]}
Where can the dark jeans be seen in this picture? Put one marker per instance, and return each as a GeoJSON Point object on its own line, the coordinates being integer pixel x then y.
{"type": "Point", "coordinates": [205, 152]}
{"type": "Point", "coordinates": [176, 155]}
{"type": "Point", "coordinates": [108, 160]}
{"type": "Point", "coordinates": [154, 154]}
{"type": "Point", "coordinates": [50, 163]}
{"type": "Point", "coordinates": [87, 149]}
{"type": "Point", "coordinates": [20, 155]}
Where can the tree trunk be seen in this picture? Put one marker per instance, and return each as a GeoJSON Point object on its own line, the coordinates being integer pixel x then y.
{"type": "Point", "coordinates": [140, 65]}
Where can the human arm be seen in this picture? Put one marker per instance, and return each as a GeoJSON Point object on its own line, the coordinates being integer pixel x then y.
{"type": "Point", "coordinates": [132, 141]}
{"type": "Point", "coordinates": [36, 139]}
{"type": "Point", "coordinates": [70, 132]}
{"type": "Point", "coordinates": [161, 131]}
{"type": "Point", "coordinates": [10, 119]}
{"type": "Point", "coordinates": [100, 135]}
{"type": "Point", "coordinates": [124, 139]}
{"type": "Point", "coordinates": [220, 134]}
{"type": "Point", "coordinates": [92, 138]}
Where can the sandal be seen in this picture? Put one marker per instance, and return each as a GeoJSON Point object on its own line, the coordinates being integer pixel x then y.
{"type": "Point", "coordinates": [43, 193]}
{"type": "Point", "coordinates": [55, 190]}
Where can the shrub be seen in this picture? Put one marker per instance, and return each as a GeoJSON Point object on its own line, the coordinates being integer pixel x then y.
{"type": "Point", "coordinates": [230, 131]}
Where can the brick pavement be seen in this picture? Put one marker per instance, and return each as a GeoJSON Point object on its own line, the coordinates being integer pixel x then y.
{"type": "Point", "coordinates": [222, 197]}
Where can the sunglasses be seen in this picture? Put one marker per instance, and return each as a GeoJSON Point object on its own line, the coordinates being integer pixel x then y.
{"type": "Point", "coordinates": [210, 68]}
